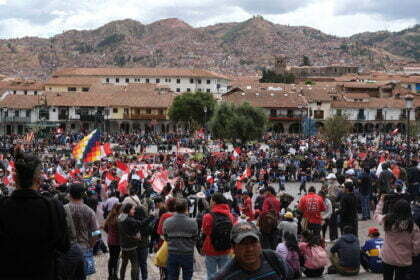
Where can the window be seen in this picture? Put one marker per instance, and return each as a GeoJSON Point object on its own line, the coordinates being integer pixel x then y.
{"type": "Point", "coordinates": [273, 113]}
{"type": "Point", "coordinates": [115, 110]}
{"type": "Point", "coordinates": [125, 111]}
{"type": "Point", "coordinates": [106, 112]}
{"type": "Point", "coordinates": [188, 90]}
{"type": "Point", "coordinates": [35, 92]}
{"type": "Point", "coordinates": [148, 111]}
{"type": "Point", "coordinates": [319, 114]}
{"type": "Point", "coordinates": [191, 81]}
{"type": "Point", "coordinates": [85, 89]}
{"type": "Point", "coordinates": [178, 90]}
{"type": "Point", "coordinates": [127, 80]}
{"type": "Point", "coordinates": [199, 81]}
{"type": "Point", "coordinates": [6, 114]}
{"type": "Point", "coordinates": [71, 89]}
{"type": "Point", "coordinates": [73, 126]}
{"type": "Point", "coordinates": [178, 81]}
{"type": "Point", "coordinates": [117, 80]}
{"type": "Point", "coordinates": [161, 111]}
{"type": "Point", "coordinates": [14, 92]}
{"type": "Point", "coordinates": [318, 103]}
{"type": "Point", "coordinates": [107, 80]}
{"type": "Point", "coordinates": [199, 89]}
{"type": "Point", "coordinates": [218, 86]}
{"type": "Point", "coordinates": [28, 113]}
{"type": "Point", "coordinates": [208, 82]}
{"type": "Point", "coordinates": [157, 81]}
{"type": "Point", "coordinates": [54, 110]}
{"type": "Point", "coordinates": [17, 113]}
{"type": "Point", "coordinates": [25, 92]}
{"type": "Point", "coordinates": [208, 90]}
{"type": "Point", "coordinates": [339, 112]}
{"type": "Point", "coordinates": [147, 81]}
{"type": "Point", "coordinates": [167, 80]}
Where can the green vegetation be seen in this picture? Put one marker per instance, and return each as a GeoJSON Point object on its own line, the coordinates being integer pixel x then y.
{"type": "Point", "coordinates": [270, 76]}
{"type": "Point", "coordinates": [244, 123]}
{"type": "Point", "coordinates": [305, 61]}
{"type": "Point", "coordinates": [189, 107]}
{"type": "Point", "coordinates": [335, 129]}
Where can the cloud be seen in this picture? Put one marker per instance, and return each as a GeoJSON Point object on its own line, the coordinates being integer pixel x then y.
{"type": "Point", "coordinates": [269, 6]}
{"type": "Point", "coordinates": [389, 9]}
{"type": "Point", "coordinates": [46, 18]}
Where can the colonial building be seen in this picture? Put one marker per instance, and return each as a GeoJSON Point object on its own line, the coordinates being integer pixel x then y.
{"type": "Point", "coordinates": [177, 79]}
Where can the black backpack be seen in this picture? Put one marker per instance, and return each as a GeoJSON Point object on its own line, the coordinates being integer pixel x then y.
{"type": "Point", "coordinates": [220, 234]}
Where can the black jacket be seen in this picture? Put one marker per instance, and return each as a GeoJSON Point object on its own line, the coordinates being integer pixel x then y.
{"type": "Point", "coordinates": [348, 250]}
{"type": "Point", "coordinates": [128, 228]}
{"type": "Point", "coordinates": [348, 208]}
{"type": "Point", "coordinates": [32, 229]}
{"type": "Point", "coordinates": [270, 240]}
{"type": "Point", "coordinates": [365, 185]}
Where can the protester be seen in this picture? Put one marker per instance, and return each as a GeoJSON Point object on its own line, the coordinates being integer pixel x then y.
{"type": "Point", "coordinates": [216, 228]}
{"type": "Point", "coordinates": [181, 233]}
{"type": "Point", "coordinates": [348, 209]}
{"type": "Point", "coordinates": [370, 258]}
{"type": "Point", "coordinates": [129, 233]}
{"type": "Point", "coordinates": [311, 205]}
{"type": "Point", "coordinates": [251, 261]}
{"type": "Point", "coordinates": [32, 228]}
{"type": "Point", "coordinates": [288, 225]}
{"type": "Point", "coordinates": [402, 239]}
{"type": "Point", "coordinates": [289, 251]}
{"type": "Point", "coordinates": [111, 228]}
{"type": "Point", "coordinates": [345, 256]}
{"type": "Point", "coordinates": [270, 234]}
{"type": "Point", "coordinates": [271, 202]}
{"type": "Point", "coordinates": [325, 215]}
{"type": "Point", "coordinates": [315, 257]}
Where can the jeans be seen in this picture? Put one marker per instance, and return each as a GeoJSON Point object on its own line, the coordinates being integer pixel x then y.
{"type": "Point", "coordinates": [400, 272]}
{"type": "Point", "coordinates": [176, 262]}
{"type": "Point", "coordinates": [365, 201]}
{"type": "Point", "coordinates": [142, 260]}
{"type": "Point", "coordinates": [132, 256]}
{"type": "Point", "coordinates": [114, 254]}
{"type": "Point", "coordinates": [214, 264]}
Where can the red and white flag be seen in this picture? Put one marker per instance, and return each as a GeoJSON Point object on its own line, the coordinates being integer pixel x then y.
{"type": "Point", "coordinates": [236, 153]}
{"type": "Point", "coordinates": [11, 166]}
{"type": "Point", "coordinates": [247, 172]}
{"type": "Point", "coordinates": [109, 178]}
{"type": "Point", "coordinates": [60, 176]}
{"type": "Point", "coordinates": [106, 150]}
{"type": "Point", "coordinates": [394, 132]}
{"type": "Point", "coordinates": [122, 167]}
{"type": "Point", "coordinates": [159, 180]}
{"type": "Point", "coordinates": [8, 180]}
{"type": "Point", "coordinates": [210, 179]}
{"type": "Point", "coordinates": [123, 184]}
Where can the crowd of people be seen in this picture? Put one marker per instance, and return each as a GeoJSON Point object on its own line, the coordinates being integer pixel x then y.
{"type": "Point", "coordinates": [233, 206]}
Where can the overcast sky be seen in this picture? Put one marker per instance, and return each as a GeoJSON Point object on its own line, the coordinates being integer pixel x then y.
{"type": "Point", "coordinates": [46, 18]}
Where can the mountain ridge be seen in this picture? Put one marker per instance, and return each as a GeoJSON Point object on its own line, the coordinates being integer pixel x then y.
{"type": "Point", "coordinates": [236, 48]}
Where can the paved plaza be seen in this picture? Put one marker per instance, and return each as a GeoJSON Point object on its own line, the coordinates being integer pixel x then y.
{"type": "Point", "coordinates": [200, 269]}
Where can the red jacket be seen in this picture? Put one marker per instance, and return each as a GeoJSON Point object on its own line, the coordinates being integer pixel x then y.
{"type": "Point", "coordinates": [207, 227]}
{"type": "Point", "coordinates": [271, 202]}
{"type": "Point", "coordinates": [161, 220]}
{"type": "Point", "coordinates": [312, 205]}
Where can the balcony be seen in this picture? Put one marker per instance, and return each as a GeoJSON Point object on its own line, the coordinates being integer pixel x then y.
{"type": "Point", "coordinates": [403, 117]}
{"type": "Point", "coordinates": [287, 117]}
{"type": "Point", "coordinates": [17, 119]}
{"type": "Point", "coordinates": [145, 117]}
{"type": "Point", "coordinates": [379, 117]}
{"type": "Point", "coordinates": [63, 117]}
{"type": "Point", "coordinates": [361, 117]}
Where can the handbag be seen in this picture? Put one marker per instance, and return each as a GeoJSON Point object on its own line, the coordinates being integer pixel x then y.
{"type": "Point", "coordinates": [161, 258]}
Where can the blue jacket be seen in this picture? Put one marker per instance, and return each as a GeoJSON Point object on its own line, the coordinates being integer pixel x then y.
{"type": "Point", "coordinates": [348, 250]}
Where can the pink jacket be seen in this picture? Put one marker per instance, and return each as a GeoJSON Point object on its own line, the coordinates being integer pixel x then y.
{"type": "Point", "coordinates": [399, 247]}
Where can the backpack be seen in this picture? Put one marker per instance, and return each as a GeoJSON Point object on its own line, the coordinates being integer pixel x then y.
{"type": "Point", "coordinates": [318, 259]}
{"type": "Point", "coordinates": [220, 234]}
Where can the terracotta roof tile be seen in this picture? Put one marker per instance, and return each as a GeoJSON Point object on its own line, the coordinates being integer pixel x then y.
{"type": "Point", "coordinates": [20, 101]}
{"type": "Point", "coordinates": [71, 81]}
{"type": "Point", "coordinates": [142, 72]}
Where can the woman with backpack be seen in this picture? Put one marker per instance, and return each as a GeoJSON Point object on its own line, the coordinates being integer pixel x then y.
{"type": "Point", "coordinates": [129, 232]}
{"type": "Point", "coordinates": [111, 228]}
{"type": "Point", "coordinates": [402, 239]}
{"type": "Point", "coordinates": [315, 258]}
{"type": "Point", "coordinates": [289, 251]}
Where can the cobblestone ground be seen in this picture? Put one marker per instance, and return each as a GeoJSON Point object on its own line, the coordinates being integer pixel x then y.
{"type": "Point", "coordinates": [200, 269]}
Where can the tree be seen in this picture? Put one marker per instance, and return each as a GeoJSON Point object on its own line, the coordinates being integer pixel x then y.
{"type": "Point", "coordinates": [269, 76]}
{"type": "Point", "coordinates": [305, 61]}
{"type": "Point", "coordinates": [189, 107]}
{"type": "Point", "coordinates": [335, 128]}
{"type": "Point", "coordinates": [244, 123]}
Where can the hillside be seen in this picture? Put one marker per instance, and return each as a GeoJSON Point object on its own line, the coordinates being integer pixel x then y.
{"type": "Point", "coordinates": [231, 48]}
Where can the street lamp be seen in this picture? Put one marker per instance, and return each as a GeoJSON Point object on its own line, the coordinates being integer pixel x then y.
{"type": "Point", "coordinates": [408, 100]}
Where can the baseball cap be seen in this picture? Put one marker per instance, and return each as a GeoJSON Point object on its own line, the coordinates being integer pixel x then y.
{"type": "Point", "coordinates": [373, 230]}
{"type": "Point", "coordinates": [288, 215]}
{"type": "Point", "coordinates": [242, 230]}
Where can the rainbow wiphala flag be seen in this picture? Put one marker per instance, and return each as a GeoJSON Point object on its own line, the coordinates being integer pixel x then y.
{"type": "Point", "coordinates": [89, 148]}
